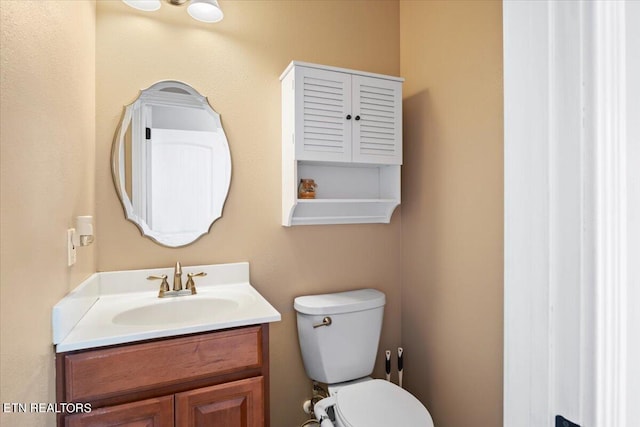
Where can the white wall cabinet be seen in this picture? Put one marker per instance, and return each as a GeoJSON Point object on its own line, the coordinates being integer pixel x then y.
{"type": "Point", "coordinates": [343, 129]}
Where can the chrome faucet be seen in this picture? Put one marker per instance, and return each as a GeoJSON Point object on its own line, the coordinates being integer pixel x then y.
{"type": "Point", "coordinates": [177, 282]}
{"type": "Point", "coordinates": [177, 277]}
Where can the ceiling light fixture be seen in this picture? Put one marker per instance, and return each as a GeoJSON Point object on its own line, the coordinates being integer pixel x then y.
{"type": "Point", "coordinates": [201, 10]}
{"type": "Point", "coordinates": [205, 10]}
{"type": "Point", "coordinates": [146, 5]}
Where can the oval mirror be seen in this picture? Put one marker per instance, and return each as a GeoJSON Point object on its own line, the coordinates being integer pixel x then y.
{"type": "Point", "coordinates": [171, 164]}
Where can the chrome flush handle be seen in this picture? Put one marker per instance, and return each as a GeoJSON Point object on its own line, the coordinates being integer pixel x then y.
{"type": "Point", "coordinates": [325, 322]}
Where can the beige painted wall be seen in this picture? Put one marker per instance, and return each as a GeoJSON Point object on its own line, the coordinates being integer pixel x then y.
{"type": "Point", "coordinates": [236, 63]}
{"type": "Point", "coordinates": [47, 136]}
{"type": "Point", "coordinates": [451, 57]}
{"type": "Point", "coordinates": [447, 249]}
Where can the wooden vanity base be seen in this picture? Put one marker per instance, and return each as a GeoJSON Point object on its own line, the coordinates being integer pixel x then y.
{"type": "Point", "coordinates": [216, 378]}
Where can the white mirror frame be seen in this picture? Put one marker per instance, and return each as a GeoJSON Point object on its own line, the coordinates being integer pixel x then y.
{"type": "Point", "coordinates": [137, 207]}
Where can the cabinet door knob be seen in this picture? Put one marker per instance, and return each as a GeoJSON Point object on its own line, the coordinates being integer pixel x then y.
{"type": "Point", "coordinates": [348, 116]}
{"type": "Point", "coordinates": [357, 117]}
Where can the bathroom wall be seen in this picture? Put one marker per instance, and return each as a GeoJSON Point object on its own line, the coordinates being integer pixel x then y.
{"type": "Point", "coordinates": [47, 133]}
{"type": "Point", "coordinates": [236, 64]}
{"type": "Point", "coordinates": [69, 67]}
{"type": "Point", "coordinates": [452, 217]}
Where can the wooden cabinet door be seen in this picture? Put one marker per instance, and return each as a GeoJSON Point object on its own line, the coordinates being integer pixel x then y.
{"type": "Point", "coordinates": [377, 121]}
{"type": "Point", "coordinates": [156, 412]}
{"type": "Point", "coordinates": [323, 116]}
{"type": "Point", "coordinates": [235, 404]}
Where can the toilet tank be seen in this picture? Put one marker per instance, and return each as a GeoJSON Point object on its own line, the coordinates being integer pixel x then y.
{"type": "Point", "coordinates": [346, 349]}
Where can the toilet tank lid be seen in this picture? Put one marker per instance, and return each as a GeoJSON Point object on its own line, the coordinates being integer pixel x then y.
{"type": "Point", "coordinates": [340, 302]}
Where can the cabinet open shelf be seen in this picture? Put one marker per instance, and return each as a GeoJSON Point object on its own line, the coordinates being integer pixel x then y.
{"type": "Point", "coordinates": [346, 193]}
{"type": "Point", "coordinates": [342, 211]}
{"type": "Point", "coordinates": [329, 201]}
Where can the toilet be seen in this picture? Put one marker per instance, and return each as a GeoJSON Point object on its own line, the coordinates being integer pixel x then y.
{"type": "Point", "coordinates": [339, 335]}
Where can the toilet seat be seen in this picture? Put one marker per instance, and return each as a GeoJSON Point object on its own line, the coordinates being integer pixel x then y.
{"type": "Point", "coordinates": [378, 403]}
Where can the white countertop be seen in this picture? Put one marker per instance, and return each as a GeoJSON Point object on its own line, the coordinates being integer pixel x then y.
{"type": "Point", "coordinates": [90, 316]}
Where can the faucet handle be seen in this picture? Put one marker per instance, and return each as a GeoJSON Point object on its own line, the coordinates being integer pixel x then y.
{"type": "Point", "coordinates": [164, 285]}
{"type": "Point", "coordinates": [191, 284]}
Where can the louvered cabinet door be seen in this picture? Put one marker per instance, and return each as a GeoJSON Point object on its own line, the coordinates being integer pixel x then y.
{"type": "Point", "coordinates": [323, 115]}
{"type": "Point", "coordinates": [377, 121]}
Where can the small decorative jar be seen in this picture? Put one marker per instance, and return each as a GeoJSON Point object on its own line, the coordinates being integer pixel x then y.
{"type": "Point", "coordinates": [307, 189]}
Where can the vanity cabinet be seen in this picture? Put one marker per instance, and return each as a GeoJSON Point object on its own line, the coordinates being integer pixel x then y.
{"type": "Point", "coordinates": [209, 379]}
{"type": "Point", "coordinates": [239, 403]}
{"type": "Point", "coordinates": [149, 413]}
{"type": "Point", "coordinates": [343, 129]}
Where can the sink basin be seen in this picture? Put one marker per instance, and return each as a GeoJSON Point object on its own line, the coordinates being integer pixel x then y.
{"type": "Point", "coordinates": [177, 311]}
{"type": "Point", "coordinates": [119, 307]}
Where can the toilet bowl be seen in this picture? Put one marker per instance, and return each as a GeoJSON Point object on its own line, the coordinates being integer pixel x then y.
{"type": "Point", "coordinates": [339, 335]}
{"type": "Point", "coordinates": [373, 403]}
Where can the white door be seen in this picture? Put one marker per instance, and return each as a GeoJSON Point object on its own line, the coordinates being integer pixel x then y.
{"type": "Point", "coordinates": [572, 190]}
{"type": "Point", "coordinates": [180, 181]}
{"type": "Point", "coordinates": [377, 120]}
{"type": "Point", "coordinates": [323, 115]}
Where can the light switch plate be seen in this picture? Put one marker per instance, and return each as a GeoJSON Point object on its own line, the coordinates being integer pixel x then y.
{"type": "Point", "coordinates": [71, 247]}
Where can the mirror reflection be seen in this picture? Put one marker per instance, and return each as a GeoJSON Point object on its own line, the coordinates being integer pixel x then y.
{"type": "Point", "coordinates": [171, 163]}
